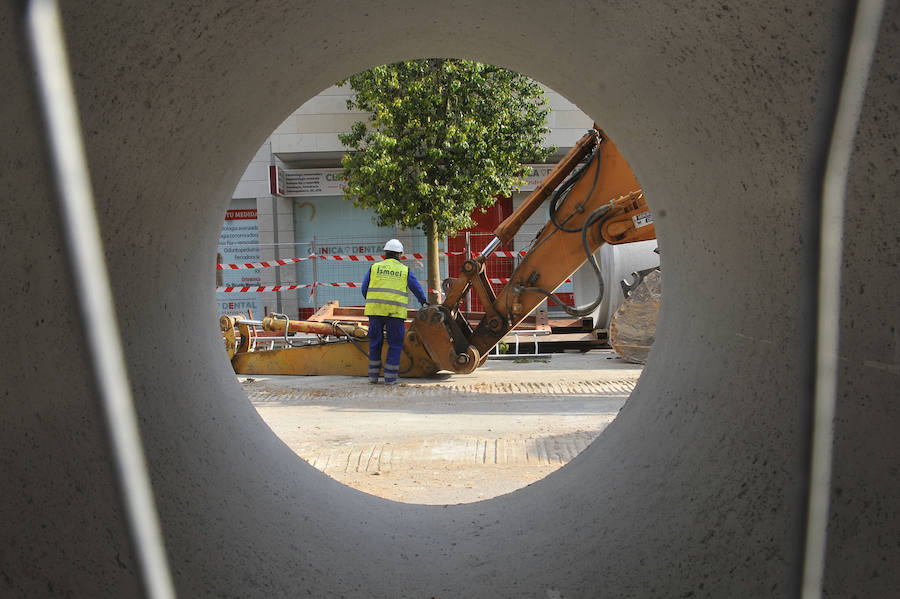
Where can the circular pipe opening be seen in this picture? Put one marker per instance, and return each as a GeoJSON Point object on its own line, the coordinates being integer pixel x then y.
{"type": "Point", "coordinates": [446, 440]}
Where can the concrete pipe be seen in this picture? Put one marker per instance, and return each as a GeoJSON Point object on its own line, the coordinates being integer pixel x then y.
{"type": "Point", "coordinates": [688, 493]}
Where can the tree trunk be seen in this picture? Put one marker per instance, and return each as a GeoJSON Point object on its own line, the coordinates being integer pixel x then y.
{"type": "Point", "coordinates": [432, 259]}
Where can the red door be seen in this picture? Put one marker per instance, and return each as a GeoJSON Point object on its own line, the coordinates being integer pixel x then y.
{"type": "Point", "coordinates": [480, 235]}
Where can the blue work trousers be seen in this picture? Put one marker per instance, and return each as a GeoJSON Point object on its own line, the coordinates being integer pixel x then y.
{"type": "Point", "coordinates": [379, 328]}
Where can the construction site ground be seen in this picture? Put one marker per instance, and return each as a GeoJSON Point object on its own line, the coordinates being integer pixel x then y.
{"type": "Point", "coordinates": [454, 438]}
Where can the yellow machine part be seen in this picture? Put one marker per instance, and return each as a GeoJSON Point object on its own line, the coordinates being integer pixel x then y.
{"type": "Point", "coordinates": [338, 358]}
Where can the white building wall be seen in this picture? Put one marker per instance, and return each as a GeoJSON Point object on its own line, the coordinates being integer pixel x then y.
{"type": "Point", "coordinates": [314, 127]}
{"type": "Point", "coordinates": [254, 182]}
{"type": "Point", "coordinates": [566, 122]}
{"type": "Point", "coordinates": [309, 136]}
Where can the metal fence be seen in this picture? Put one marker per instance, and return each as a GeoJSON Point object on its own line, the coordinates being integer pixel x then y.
{"type": "Point", "coordinates": [343, 264]}
{"type": "Point", "coordinates": [298, 278]}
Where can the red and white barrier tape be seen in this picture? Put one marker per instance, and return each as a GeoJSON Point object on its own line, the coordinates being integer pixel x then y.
{"type": "Point", "coordinates": [338, 257]}
{"type": "Point", "coordinates": [264, 288]}
{"type": "Point", "coordinates": [261, 289]}
{"type": "Point", "coordinates": [347, 258]}
{"type": "Point", "coordinates": [255, 289]}
{"type": "Point", "coordinates": [254, 265]}
{"type": "Point", "coordinates": [504, 254]}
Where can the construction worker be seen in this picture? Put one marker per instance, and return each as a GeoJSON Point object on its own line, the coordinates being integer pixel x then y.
{"type": "Point", "coordinates": [384, 288]}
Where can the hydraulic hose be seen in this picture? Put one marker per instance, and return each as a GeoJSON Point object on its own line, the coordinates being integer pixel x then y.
{"type": "Point", "coordinates": [592, 260]}
{"type": "Point", "coordinates": [561, 194]}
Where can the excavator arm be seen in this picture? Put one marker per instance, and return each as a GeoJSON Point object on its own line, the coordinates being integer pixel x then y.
{"type": "Point", "coordinates": [601, 202]}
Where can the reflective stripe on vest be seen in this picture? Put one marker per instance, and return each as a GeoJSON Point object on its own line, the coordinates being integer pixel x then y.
{"type": "Point", "coordinates": [386, 295]}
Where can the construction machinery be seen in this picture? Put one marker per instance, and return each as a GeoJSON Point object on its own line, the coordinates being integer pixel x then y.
{"type": "Point", "coordinates": [594, 199]}
{"type": "Point", "coordinates": [632, 329]}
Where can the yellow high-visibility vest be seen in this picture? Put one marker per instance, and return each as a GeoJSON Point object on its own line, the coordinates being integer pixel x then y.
{"type": "Point", "coordinates": [386, 295]}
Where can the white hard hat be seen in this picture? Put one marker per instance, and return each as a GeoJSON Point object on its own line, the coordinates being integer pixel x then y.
{"type": "Point", "coordinates": [393, 245]}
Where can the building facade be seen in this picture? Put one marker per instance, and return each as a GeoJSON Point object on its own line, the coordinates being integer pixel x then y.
{"type": "Point", "coordinates": [289, 205]}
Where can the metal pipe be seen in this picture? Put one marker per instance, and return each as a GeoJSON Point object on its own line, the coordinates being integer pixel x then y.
{"type": "Point", "coordinates": [851, 93]}
{"type": "Point", "coordinates": [252, 323]}
{"type": "Point", "coordinates": [280, 322]}
{"type": "Point", "coordinates": [489, 249]}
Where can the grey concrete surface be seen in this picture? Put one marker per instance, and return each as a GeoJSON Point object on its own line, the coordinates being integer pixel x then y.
{"type": "Point", "coordinates": [452, 439]}
{"type": "Point", "coordinates": [688, 493]}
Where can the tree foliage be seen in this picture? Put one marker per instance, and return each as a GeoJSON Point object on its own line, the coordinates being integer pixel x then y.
{"type": "Point", "coordinates": [444, 137]}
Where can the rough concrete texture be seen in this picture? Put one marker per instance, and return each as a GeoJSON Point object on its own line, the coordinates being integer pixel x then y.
{"type": "Point", "coordinates": [687, 493]}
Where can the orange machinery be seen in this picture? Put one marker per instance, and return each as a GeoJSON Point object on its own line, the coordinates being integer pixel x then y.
{"type": "Point", "coordinates": [595, 199]}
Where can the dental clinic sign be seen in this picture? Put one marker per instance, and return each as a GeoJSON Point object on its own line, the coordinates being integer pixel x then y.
{"type": "Point", "coordinates": [302, 182]}
{"type": "Point", "coordinates": [539, 172]}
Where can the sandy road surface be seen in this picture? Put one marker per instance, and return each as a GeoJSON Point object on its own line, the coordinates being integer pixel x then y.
{"type": "Point", "coordinates": [452, 439]}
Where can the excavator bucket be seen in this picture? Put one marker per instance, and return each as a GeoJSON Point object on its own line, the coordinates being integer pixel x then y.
{"type": "Point", "coordinates": [632, 329]}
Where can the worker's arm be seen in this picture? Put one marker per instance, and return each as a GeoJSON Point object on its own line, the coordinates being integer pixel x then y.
{"type": "Point", "coordinates": [413, 283]}
{"type": "Point", "coordinates": [365, 282]}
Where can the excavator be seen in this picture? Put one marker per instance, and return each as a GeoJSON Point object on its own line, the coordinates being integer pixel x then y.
{"type": "Point", "coordinates": [594, 199]}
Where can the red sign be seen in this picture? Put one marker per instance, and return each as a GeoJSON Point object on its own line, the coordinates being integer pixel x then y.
{"type": "Point", "coordinates": [277, 183]}
{"type": "Point", "coordinates": [249, 214]}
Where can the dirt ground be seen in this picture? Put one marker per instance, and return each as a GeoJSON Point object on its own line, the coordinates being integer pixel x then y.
{"type": "Point", "coordinates": [452, 439]}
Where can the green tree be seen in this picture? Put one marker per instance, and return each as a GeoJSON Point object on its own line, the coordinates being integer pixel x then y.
{"type": "Point", "coordinates": [444, 138]}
